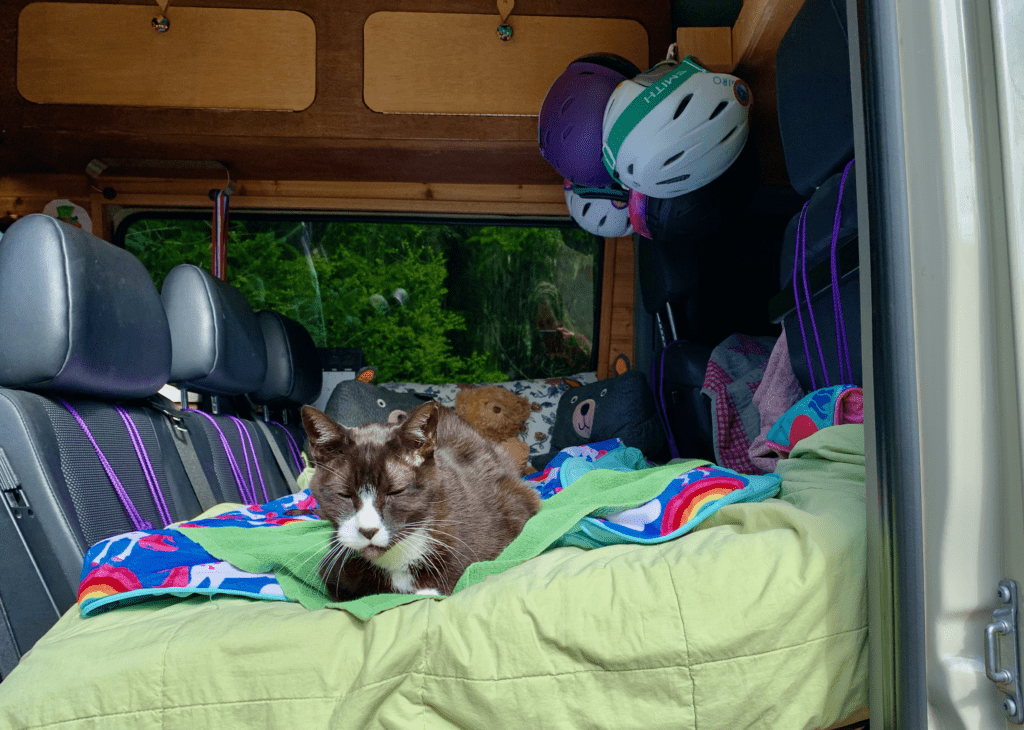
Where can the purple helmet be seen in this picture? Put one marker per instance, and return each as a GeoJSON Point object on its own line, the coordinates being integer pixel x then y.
{"type": "Point", "coordinates": [569, 125]}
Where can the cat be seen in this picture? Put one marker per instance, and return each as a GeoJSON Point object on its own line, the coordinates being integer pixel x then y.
{"type": "Point", "coordinates": [413, 503]}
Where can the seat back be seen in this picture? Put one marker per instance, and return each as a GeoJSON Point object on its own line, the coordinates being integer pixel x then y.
{"type": "Point", "coordinates": [219, 351]}
{"type": "Point", "coordinates": [294, 378]}
{"type": "Point", "coordinates": [84, 341]}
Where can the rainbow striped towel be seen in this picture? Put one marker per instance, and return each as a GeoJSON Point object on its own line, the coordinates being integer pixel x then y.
{"type": "Point", "coordinates": [688, 498]}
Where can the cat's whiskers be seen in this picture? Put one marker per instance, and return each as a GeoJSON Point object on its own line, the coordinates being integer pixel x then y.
{"type": "Point", "coordinates": [313, 551]}
{"type": "Point", "coordinates": [341, 554]}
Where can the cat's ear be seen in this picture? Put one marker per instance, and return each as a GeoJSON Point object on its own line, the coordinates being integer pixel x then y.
{"type": "Point", "coordinates": [325, 436]}
{"type": "Point", "coordinates": [419, 429]}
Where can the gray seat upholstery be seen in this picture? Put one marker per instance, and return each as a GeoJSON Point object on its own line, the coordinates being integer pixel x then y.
{"type": "Point", "coordinates": [218, 350]}
{"type": "Point", "coordinates": [294, 378]}
{"type": "Point", "coordinates": [84, 341]}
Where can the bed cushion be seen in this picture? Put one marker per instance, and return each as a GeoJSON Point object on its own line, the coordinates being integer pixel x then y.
{"type": "Point", "coordinates": [756, 618]}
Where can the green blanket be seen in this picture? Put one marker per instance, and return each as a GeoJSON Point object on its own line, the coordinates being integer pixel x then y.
{"type": "Point", "coordinates": [756, 619]}
{"type": "Point", "coordinates": [292, 550]}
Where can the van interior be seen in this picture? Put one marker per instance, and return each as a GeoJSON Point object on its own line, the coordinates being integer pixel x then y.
{"type": "Point", "coordinates": [217, 216]}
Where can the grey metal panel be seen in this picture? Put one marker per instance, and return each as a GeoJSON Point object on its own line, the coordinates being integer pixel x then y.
{"type": "Point", "coordinates": [898, 692]}
{"type": "Point", "coordinates": [946, 445]}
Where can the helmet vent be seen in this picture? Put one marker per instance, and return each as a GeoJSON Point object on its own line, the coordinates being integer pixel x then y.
{"type": "Point", "coordinates": [567, 131]}
{"type": "Point", "coordinates": [585, 209]}
{"type": "Point", "coordinates": [566, 104]}
{"type": "Point", "coordinates": [586, 73]}
{"type": "Point", "coordinates": [630, 168]}
{"type": "Point", "coordinates": [731, 132]}
{"type": "Point", "coordinates": [682, 106]}
{"type": "Point", "coordinates": [680, 178]}
{"type": "Point", "coordinates": [601, 222]}
{"type": "Point", "coordinates": [673, 158]}
{"type": "Point", "coordinates": [718, 109]}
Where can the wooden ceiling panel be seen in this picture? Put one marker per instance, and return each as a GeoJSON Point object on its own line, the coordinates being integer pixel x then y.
{"type": "Point", "coordinates": [337, 137]}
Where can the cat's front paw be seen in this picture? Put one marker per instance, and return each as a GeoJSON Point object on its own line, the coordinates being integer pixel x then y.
{"type": "Point", "coordinates": [428, 592]}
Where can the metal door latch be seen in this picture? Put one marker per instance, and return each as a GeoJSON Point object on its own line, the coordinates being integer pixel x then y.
{"type": "Point", "coordinates": [1007, 679]}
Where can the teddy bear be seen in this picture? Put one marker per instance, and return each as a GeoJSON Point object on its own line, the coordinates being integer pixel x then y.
{"type": "Point", "coordinates": [500, 415]}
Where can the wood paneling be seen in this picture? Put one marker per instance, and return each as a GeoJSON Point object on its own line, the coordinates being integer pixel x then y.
{"type": "Point", "coordinates": [755, 39]}
{"type": "Point", "coordinates": [336, 138]}
{"type": "Point", "coordinates": [213, 58]}
{"type": "Point", "coordinates": [711, 46]}
{"type": "Point", "coordinates": [454, 63]}
{"type": "Point", "coordinates": [617, 296]}
{"type": "Point", "coordinates": [20, 196]}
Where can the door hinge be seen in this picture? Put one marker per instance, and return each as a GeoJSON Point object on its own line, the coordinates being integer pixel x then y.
{"type": "Point", "coordinates": [1007, 678]}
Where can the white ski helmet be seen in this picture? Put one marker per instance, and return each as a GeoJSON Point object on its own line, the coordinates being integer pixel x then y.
{"type": "Point", "coordinates": [601, 211]}
{"type": "Point", "coordinates": [674, 128]}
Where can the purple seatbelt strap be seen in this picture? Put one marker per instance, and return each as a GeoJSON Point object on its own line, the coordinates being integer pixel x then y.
{"type": "Point", "coordinates": [293, 447]}
{"type": "Point", "coordinates": [129, 507]}
{"type": "Point", "coordinates": [147, 465]}
{"type": "Point", "coordinates": [244, 436]}
{"type": "Point", "coordinates": [800, 263]}
{"type": "Point", "coordinates": [844, 349]}
{"type": "Point", "coordinates": [246, 494]}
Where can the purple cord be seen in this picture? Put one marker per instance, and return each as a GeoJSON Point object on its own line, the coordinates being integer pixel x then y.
{"type": "Point", "coordinates": [243, 432]}
{"type": "Point", "coordinates": [293, 447]}
{"type": "Point", "coordinates": [251, 498]}
{"type": "Point", "coordinates": [844, 348]}
{"type": "Point", "coordinates": [810, 309]}
{"type": "Point", "coordinates": [800, 223]}
{"type": "Point", "coordinates": [126, 501]}
{"type": "Point", "coordinates": [147, 465]}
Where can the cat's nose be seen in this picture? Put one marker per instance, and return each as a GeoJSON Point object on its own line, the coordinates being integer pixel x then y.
{"type": "Point", "coordinates": [368, 532]}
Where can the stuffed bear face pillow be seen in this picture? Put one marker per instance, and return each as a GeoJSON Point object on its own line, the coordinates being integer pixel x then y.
{"type": "Point", "coordinates": [619, 407]}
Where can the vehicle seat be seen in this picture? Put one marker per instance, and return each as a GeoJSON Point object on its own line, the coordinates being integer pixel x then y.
{"type": "Point", "coordinates": [294, 378]}
{"type": "Point", "coordinates": [219, 351]}
{"type": "Point", "coordinates": [84, 342]}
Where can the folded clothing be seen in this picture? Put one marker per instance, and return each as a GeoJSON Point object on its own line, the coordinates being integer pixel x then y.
{"type": "Point", "coordinates": [778, 392]}
{"type": "Point", "coordinates": [733, 375]}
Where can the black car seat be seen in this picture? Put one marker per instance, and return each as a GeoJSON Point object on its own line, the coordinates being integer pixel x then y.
{"type": "Point", "coordinates": [218, 351]}
{"type": "Point", "coordinates": [84, 345]}
{"type": "Point", "coordinates": [819, 297]}
{"type": "Point", "coordinates": [294, 378]}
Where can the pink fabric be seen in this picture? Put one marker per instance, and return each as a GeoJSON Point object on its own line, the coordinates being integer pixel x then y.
{"type": "Point", "coordinates": [850, 407]}
{"type": "Point", "coordinates": [732, 377]}
{"type": "Point", "coordinates": [778, 392]}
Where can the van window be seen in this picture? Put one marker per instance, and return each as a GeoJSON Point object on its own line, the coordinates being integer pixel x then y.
{"type": "Point", "coordinates": [426, 302]}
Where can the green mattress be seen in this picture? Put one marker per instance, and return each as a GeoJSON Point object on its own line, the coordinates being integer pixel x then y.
{"type": "Point", "coordinates": [756, 619]}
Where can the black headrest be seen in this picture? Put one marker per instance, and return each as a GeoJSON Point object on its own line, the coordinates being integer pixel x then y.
{"type": "Point", "coordinates": [218, 344]}
{"type": "Point", "coordinates": [812, 70]}
{"type": "Point", "coordinates": [78, 314]}
{"type": "Point", "coordinates": [294, 373]}
{"type": "Point", "coordinates": [821, 216]}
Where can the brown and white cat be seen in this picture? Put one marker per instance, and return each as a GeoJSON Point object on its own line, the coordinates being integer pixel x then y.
{"type": "Point", "coordinates": [412, 503]}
